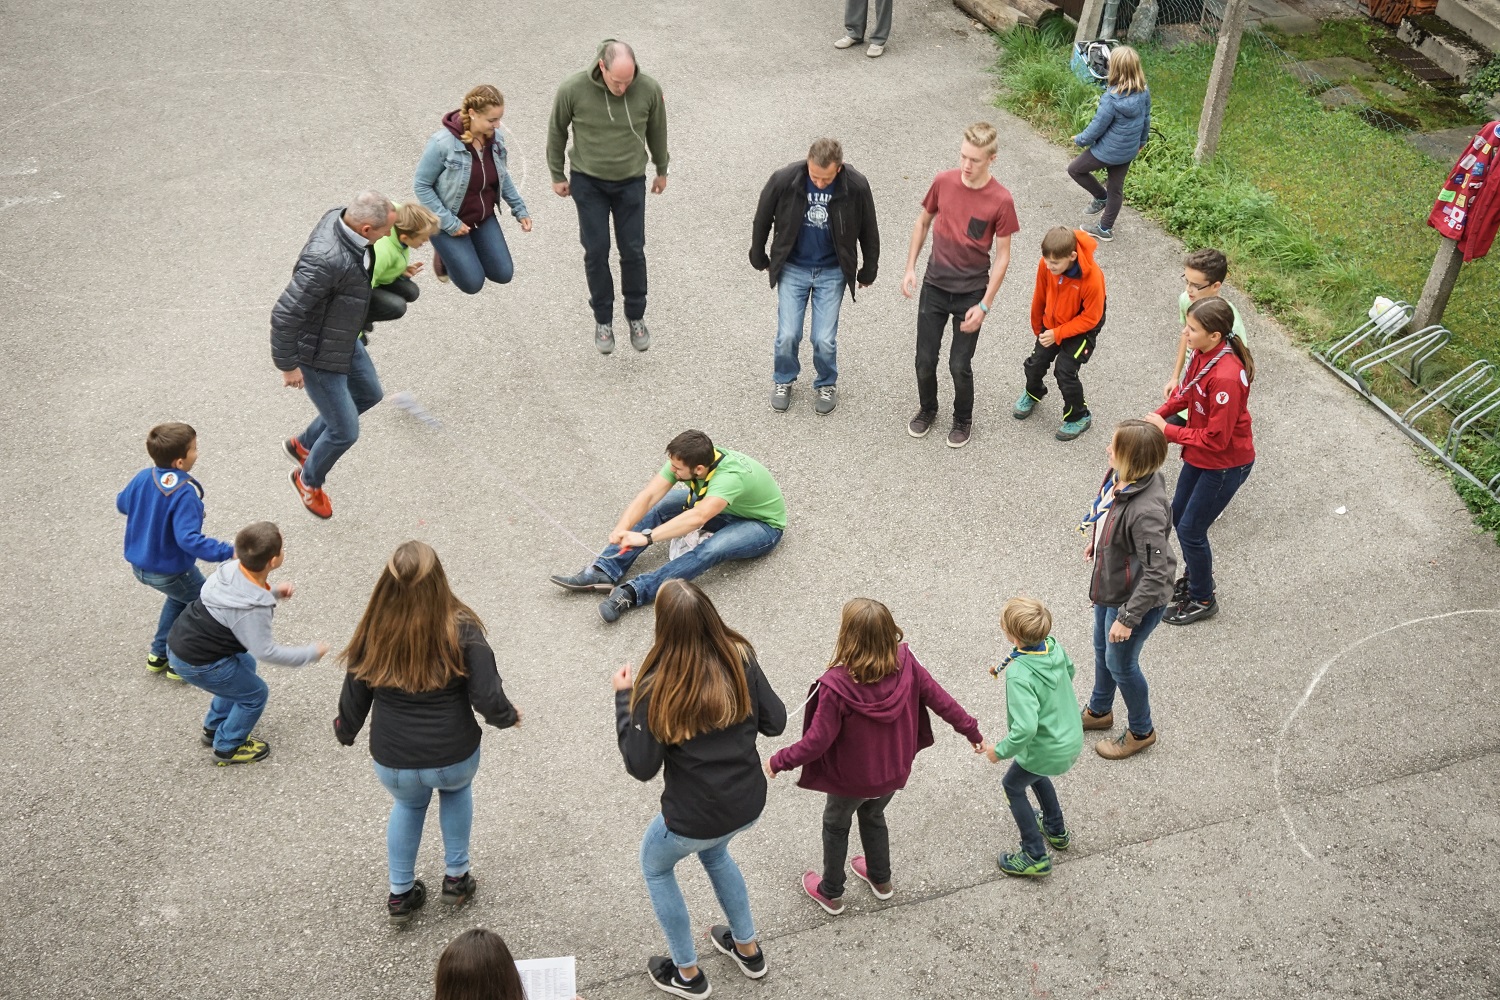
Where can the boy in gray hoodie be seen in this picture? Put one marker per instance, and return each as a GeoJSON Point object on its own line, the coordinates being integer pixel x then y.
{"type": "Point", "coordinates": [219, 637]}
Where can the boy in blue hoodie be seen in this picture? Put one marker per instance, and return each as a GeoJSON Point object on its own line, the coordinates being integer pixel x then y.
{"type": "Point", "coordinates": [221, 635]}
{"type": "Point", "coordinates": [1044, 733]}
{"type": "Point", "coordinates": [163, 508]}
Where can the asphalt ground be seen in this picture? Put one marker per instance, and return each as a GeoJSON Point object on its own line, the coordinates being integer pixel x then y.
{"type": "Point", "coordinates": [1318, 818]}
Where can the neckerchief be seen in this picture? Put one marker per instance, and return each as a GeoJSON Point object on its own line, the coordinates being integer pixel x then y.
{"type": "Point", "coordinates": [1182, 389]}
{"type": "Point", "coordinates": [698, 488]}
{"type": "Point", "coordinates": [1100, 506]}
{"type": "Point", "coordinates": [1016, 651]}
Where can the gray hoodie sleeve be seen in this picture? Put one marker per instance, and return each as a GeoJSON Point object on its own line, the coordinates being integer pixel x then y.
{"type": "Point", "coordinates": [253, 629]}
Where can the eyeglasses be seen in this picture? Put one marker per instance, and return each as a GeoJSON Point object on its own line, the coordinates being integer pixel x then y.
{"type": "Point", "coordinates": [1195, 286]}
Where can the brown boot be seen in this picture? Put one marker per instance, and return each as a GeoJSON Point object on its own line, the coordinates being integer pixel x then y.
{"type": "Point", "coordinates": [1092, 721]}
{"type": "Point", "coordinates": [1127, 744]}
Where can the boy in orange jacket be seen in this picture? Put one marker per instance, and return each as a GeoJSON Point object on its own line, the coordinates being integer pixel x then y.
{"type": "Point", "coordinates": [1067, 313]}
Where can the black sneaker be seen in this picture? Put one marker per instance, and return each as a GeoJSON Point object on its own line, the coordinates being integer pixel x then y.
{"type": "Point", "coordinates": [400, 907]}
{"type": "Point", "coordinates": [458, 891]}
{"type": "Point", "coordinates": [1180, 593]}
{"type": "Point", "coordinates": [959, 435]}
{"type": "Point", "coordinates": [921, 423]}
{"type": "Point", "coordinates": [247, 752]}
{"type": "Point", "coordinates": [1191, 611]}
{"type": "Point", "coordinates": [207, 737]}
{"type": "Point", "coordinates": [156, 664]}
{"type": "Point", "coordinates": [723, 939]}
{"type": "Point", "coordinates": [665, 977]}
{"type": "Point", "coordinates": [619, 601]}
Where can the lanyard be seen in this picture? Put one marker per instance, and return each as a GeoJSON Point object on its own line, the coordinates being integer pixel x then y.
{"type": "Point", "coordinates": [1182, 389]}
{"type": "Point", "coordinates": [1100, 507]}
{"type": "Point", "coordinates": [698, 488]}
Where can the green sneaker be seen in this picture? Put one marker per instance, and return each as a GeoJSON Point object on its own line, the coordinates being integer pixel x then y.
{"type": "Point", "coordinates": [1024, 406]}
{"type": "Point", "coordinates": [1061, 841]}
{"type": "Point", "coordinates": [1021, 863]}
{"type": "Point", "coordinates": [246, 753]}
{"type": "Point", "coordinates": [1073, 428]}
{"type": "Point", "coordinates": [156, 664]}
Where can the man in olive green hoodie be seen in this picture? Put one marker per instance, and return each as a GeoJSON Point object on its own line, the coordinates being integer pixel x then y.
{"type": "Point", "coordinates": [618, 116]}
{"type": "Point", "coordinates": [1044, 733]}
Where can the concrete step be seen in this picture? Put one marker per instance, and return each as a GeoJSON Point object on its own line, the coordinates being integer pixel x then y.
{"type": "Point", "coordinates": [1479, 19]}
{"type": "Point", "coordinates": [1445, 45]}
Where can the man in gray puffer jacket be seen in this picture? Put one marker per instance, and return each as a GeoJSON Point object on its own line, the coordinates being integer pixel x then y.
{"type": "Point", "coordinates": [315, 341]}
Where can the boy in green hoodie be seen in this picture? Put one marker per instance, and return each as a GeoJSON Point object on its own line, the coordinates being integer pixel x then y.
{"type": "Point", "coordinates": [1044, 732]}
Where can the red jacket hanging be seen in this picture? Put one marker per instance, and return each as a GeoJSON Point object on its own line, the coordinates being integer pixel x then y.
{"type": "Point", "coordinates": [1217, 435]}
{"type": "Point", "coordinates": [1468, 209]}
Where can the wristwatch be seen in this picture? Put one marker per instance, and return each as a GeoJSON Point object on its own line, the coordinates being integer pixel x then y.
{"type": "Point", "coordinates": [647, 534]}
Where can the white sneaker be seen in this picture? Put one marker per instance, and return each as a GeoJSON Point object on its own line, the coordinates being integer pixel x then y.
{"type": "Point", "coordinates": [847, 42]}
{"type": "Point", "coordinates": [875, 51]}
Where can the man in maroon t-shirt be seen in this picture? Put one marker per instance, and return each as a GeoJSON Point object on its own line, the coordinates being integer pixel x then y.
{"type": "Point", "coordinates": [967, 211]}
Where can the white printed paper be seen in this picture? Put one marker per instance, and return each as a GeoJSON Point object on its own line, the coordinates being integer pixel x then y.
{"type": "Point", "coordinates": [548, 978]}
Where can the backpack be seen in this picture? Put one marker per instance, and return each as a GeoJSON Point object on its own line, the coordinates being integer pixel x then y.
{"type": "Point", "coordinates": [1090, 61]}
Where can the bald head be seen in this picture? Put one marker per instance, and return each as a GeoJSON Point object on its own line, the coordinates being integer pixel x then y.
{"type": "Point", "coordinates": [617, 66]}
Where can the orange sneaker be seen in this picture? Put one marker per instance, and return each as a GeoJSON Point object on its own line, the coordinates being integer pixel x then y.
{"type": "Point", "coordinates": [294, 450]}
{"type": "Point", "coordinates": [313, 499]}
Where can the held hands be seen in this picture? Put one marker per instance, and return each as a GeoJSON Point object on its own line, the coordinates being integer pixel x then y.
{"type": "Point", "coordinates": [292, 379]}
{"type": "Point", "coordinates": [622, 681]}
{"type": "Point", "coordinates": [657, 186]}
{"type": "Point", "coordinates": [973, 320]}
{"type": "Point", "coordinates": [525, 224]}
{"type": "Point", "coordinates": [909, 283]}
{"type": "Point", "coordinates": [987, 751]}
{"type": "Point", "coordinates": [631, 540]}
{"type": "Point", "coordinates": [561, 189]}
{"type": "Point", "coordinates": [1118, 632]}
{"type": "Point", "coordinates": [767, 767]}
{"type": "Point", "coordinates": [322, 649]}
{"type": "Point", "coordinates": [1047, 338]}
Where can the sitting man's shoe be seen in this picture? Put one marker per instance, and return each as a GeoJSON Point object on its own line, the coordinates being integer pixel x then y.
{"type": "Point", "coordinates": [828, 398]}
{"type": "Point", "coordinates": [1059, 841]}
{"type": "Point", "coordinates": [847, 42]}
{"type": "Point", "coordinates": [591, 579]}
{"type": "Point", "coordinates": [1071, 429]}
{"type": "Point", "coordinates": [640, 337]}
{"type": "Point", "coordinates": [156, 664]}
{"type": "Point", "coordinates": [959, 435]}
{"type": "Point", "coordinates": [1127, 744]}
{"type": "Point", "coordinates": [400, 906]}
{"type": "Point", "coordinates": [313, 497]}
{"type": "Point", "coordinates": [1099, 233]}
{"type": "Point", "coordinates": [604, 337]}
{"type": "Point", "coordinates": [666, 977]}
{"type": "Point", "coordinates": [1095, 207]}
{"type": "Point", "coordinates": [1025, 406]}
{"type": "Point", "coordinates": [1021, 863]}
{"type": "Point", "coordinates": [921, 423]}
{"type": "Point", "coordinates": [1190, 611]}
{"type": "Point", "coordinates": [247, 752]}
{"type": "Point", "coordinates": [1092, 721]}
{"type": "Point", "coordinates": [294, 450]}
{"type": "Point", "coordinates": [781, 396]}
{"type": "Point", "coordinates": [753, 966]}
{"type": "Point", "coordinates": [619, 601]}
{"type": "Point", "coordinates": [457, 891]}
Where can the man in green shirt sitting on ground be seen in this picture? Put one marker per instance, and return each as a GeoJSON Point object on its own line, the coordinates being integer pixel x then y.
{"type": "Point", "coordinates": [730, 497]}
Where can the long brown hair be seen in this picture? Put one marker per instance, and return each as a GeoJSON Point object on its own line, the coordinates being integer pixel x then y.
{"type": "Point", "coordinates": [483, 96]}
{"type": "Point", "coordinates": [868, 639]}
{"type": "Point", "coordinates": [477, 965]}
{"type": "Point", "coordinates": [1217, 316]}
{"type": "Point", "coordinates": [695, 671]}
{"type": "Point", "coordinates": [408, 637]}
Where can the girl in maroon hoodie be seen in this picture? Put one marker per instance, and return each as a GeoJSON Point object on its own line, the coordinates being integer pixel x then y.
{"type": "Point", "coordinates": [1217, 448]}
{"type": "Point", "coordinates": [861, 731]}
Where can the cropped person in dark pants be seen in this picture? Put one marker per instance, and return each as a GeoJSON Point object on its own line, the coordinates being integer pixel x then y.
{"type": "Point", "coordinates": [1113, 139]}
{"type": "Point", "coordinates": [617, 116]}
{"type": "Point", "coordinates": [861, 731]}
{"type": "Point", "coordinates": [969, 213]}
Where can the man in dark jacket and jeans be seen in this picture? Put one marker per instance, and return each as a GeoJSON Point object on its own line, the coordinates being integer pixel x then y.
{"type": "Point", "coordinates": [824, 215]}
{"type": "Point", "coordinates": [315, 342]}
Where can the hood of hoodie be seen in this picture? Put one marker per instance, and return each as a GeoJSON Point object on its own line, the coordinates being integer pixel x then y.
{"type": "Point", "coordinates": [1133, 105]}
{"type": "Point", "coordinates": [230, 589]}
{"type": "Point", "coordinates": [886, 699]}
{"type": "Point", "coordinates": [1086, 247]}
{"type": "Point", "coordinates": [1051, 666]}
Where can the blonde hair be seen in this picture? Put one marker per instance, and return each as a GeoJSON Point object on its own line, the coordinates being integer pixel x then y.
{"type": "Point", "coordinates": [408, 637]}
{"type": "Point", "coordinates": [1125, 73]}
{"type": "Point", "coordinates": [982, 135]}
{"type": "Point", "coordinates": [1026, 620]}
{"type": "Point", "coordinates": [413, 219]}
{"type": "Point", "coordinates": [483, 96]}
{"type": "Point", "coordinates": [868, 640]}
{"type": "Point", "coordinates": [1140, 449]}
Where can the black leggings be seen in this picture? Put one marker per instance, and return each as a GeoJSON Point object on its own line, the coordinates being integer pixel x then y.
{"type": "Point", "coordinates": [388, 302]}
{"type": "Point", "coordinates": [1082, 170]}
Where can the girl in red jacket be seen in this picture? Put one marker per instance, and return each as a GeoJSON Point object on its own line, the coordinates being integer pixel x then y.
{"type": "Point", "coordinates": [860, 733]}
{"type": "Point", "coordinates": [1217, 451]}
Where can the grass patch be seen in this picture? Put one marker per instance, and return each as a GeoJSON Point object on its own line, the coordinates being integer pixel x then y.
{"type": "Point", "coordinates": [1319, 211]}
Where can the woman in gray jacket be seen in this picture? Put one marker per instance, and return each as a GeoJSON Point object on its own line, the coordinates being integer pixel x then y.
{"type": "Point", "coordinates": [1118, 132]}
{"type": "Point", "coordinates": [1131, 581]}
{"type": "Point", "coordinates": [461, 178]}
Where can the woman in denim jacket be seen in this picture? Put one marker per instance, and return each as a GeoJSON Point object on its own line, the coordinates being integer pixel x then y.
{"type": "Point", "coordinates": [461, 178]}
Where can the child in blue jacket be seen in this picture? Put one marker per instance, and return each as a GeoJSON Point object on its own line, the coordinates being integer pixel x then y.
{"type": "Point", "coordinates": [163, 508]}
{"type": "Point", "coordinates": [1117, 134]}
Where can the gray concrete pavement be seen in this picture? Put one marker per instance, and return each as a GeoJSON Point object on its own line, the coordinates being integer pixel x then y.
{"type": "Point", "coordinates": [160, 166]}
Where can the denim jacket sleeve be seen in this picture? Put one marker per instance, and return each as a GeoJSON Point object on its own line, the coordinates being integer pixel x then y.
{"type": "Point", "coordinates": [1101, 122]}
{"type": "Point", "coordinates": [428, 169]}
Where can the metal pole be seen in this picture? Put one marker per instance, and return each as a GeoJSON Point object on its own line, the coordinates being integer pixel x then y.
{"type": "Point", "coordinates": [1219, 80]}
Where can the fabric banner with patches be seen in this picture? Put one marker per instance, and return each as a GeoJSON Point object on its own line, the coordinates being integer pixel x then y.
{"type": "Point", "coordinates": [1467, 209]}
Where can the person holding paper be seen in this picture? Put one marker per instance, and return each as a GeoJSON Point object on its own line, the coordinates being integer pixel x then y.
{"type": "Point", "coordinates": [694, 709]}
{"type": "Point", "coordinates": [477, 965]}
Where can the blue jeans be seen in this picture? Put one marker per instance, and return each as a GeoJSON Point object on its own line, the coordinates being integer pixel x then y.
{"type": "Point", "coordinates": [181, 589]}
{"type": "Point", "coordinates": [1017, 779]}
{"type": "Point", "coordinates": [825, 287]}
{"type": "Point", "coordinates": [734, 538]}
{"type": "Point", "coordinates": [412, 789]}
{"type": "Point", "coordinates": [1202, 495]}
{"type": "Point", "coordinates": [661, 849]}
{"type": "Point", "coordinates": [239, 696]}
{"type": "Point", "coordinates": [1117, 665]}
{"type": "Point", "coordinates": [340, 399]}
{"type": "Point", "coordinates": [481, 254]}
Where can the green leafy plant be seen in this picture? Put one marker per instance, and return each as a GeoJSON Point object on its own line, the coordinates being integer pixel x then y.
{"type": "Point", "coordinates": [1484, 85]}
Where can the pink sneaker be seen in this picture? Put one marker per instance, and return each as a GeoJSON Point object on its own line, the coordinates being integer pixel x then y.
{"type": "Point", "coordinates": [810, 882]}
{"type": "Point", "coordinates": [858, 866]}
